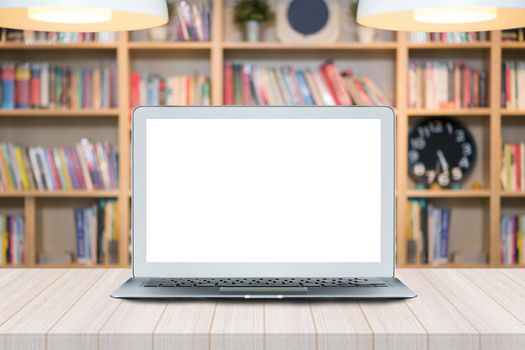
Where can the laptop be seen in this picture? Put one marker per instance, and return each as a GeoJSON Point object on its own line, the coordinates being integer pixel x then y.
{"type": "Point", "coordinates": [263, 203]}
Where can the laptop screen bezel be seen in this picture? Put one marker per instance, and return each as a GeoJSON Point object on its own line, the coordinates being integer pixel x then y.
{"type": "Point", "coordinates": [384, 268]}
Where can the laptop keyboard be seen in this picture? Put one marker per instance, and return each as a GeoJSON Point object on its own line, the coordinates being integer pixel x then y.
{"type": "Point", "coordinates": [264, 282]}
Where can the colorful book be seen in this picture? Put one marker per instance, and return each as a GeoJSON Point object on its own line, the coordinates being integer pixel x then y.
{"type": "Point", "coordinates": [87, 166]}
{"type": "Point", "coordinates": [285, 85]}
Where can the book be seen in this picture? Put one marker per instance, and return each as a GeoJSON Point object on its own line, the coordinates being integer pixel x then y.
{"type": "Point", "coordinates": [447, 37]}
{"type": "Point", "coordinates": [30, 37]}
{"type": "Point", "coordinates": [43, 85]}
{"type": "Point", "coordinates": [97, 233]}
{"type": "Point", "coordinates": [12, 239]}
{"type": "Point", "coordinates": [191, 21]}
{"type": "Point", "coordinates": [335, 84]}
{"type": "Point", "coordinates": [86, 166]}
{"type": "Point", "coordinates": [516, 34]}
{"type": "Point", "coordinates": [8, 86]}
{"type": "Point", "coordinates": [512, 239]}
{"type": "Point", "coordinates": [428, 229]}
{"type": "Point", "coordinates": [446, 85]}
{"type": "Point", "coordinates": [513, 85]}
{"type": "Point", "coordinates": [246, 83]}
{"type": "Point", "coordinates": [152, 89]}
{"type": "Point", "coordinates": [512, 174]}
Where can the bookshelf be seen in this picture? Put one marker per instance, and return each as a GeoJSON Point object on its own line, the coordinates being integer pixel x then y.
{"type": "Point", "coordinates": [389, 57]}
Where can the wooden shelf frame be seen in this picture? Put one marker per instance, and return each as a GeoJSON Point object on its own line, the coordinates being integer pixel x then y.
{"type": "Point", "coordinates": [450, 46]}
{"type": "Point", "coordinates": [61, 194]}
{"type": "Point", "coordinates": [400, 50]}
{"type": "Point", "coordinates": [463, 112]}
{"type": "Point", "coordinates": [448, 194]}
{"type": "Point", "coordinates": [109, 112]}
{"type": "Point", "coordinates": [341, 46]}
{"type": "Point", "coordinates": [60, 46]}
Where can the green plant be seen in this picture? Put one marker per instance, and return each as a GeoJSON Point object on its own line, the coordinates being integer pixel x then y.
{"type": "Point", "coordinates": [253, 10]}
{"type": "Point", "coordinates": [353, 9]}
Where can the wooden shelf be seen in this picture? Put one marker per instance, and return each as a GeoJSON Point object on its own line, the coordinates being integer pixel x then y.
{"type": "Point", "coordinates": [309, 47]}
{"type": "Point", "coordinates": [449, 46]}
{"type": "Point", "coordinates": [513, 113]}
{"type": "Point", "coordinates": [174, 45]}
{"type": "Point", "coordinates": [59, 46]}
{"type": "Point", "coordinates": [448, 193]}
{"type": "Point", "coordinates": [110, 112]}
{"type": "Point", "coordinates": [465, 112]}
{"type": "Point", "coordinates": [512, 45]}
{"type": "Point", "coordinates": [61, 194]}
{"type": "Point", "coordinates": [220, 48]}
{"type": "Point", "coordinates": [449, 265]}
{"type": "Point", "coordinates": [514, 194]}
{"type": "Point", "coordinates": [65, 266]}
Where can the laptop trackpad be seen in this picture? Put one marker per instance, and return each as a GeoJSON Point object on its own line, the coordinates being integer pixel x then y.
{"type": "Point", "coordinates": [263, 290]}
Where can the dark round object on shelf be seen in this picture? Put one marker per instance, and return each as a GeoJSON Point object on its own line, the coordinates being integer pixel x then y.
{"type": "Point", "coordinates": [442, 151]}
{"type": "Point", "coordinates": [308, 16]}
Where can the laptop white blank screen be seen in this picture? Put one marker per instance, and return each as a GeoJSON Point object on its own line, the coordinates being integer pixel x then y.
{"type": "Point", "coordinates": [263, 190]}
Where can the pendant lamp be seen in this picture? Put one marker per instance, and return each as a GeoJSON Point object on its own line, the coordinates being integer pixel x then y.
{"type": "Point", "coordinates": [82, 15]}
{"type": "Point", "coordinates": [441, 15]}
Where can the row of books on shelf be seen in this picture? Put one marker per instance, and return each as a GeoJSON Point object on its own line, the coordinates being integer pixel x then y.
{"type": "Point", "coordinates": [11, 239]}
{"type": "Point", "coordinates": [151, 89]}
{"type": "Point", "coordinates": [250, 84]}
{"type": "Point", "coordinates": [190, 20]}
{"type": "Point", "coordinates": [31, 37]}
{"type": "Point", "coordinates": [516, 34]}
{"type": "Point", "coordinates": [446, 85]}
{"type": "Point", "coordinates": [86, 166]}
{"type": "Point", "coordinates": [513, 167]}
{"type": "Point", "coordinates": [513, 239]}
{"type": "Point", "coordinates": [44, 85]}
{"type": "Point", "coordinates": [428, 233]}
{"type": "Point", "coordinates": [447, 37]}
{"type": "Point", "coordinates": [513, 85]}
{"type": "Point", "coordinates": [97, 233]}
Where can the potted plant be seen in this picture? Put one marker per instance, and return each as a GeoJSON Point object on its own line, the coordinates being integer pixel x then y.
{"type": "Point", "coordinates": [251, 13]}
{"type": "Point", "coordinates": [161, 33]}
{"type": "Point", "coordinates": [363, 34]}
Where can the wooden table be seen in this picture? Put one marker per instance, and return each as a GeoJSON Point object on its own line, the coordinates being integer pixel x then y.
{"type": "Point", "coordinates": [71, 309]}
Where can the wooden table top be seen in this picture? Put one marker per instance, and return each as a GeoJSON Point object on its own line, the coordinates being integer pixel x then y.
{"type": "Point", "coordinates": [71, 309]}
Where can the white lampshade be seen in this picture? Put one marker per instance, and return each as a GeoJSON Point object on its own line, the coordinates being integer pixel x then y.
{"type": "Point", "coordinates": [82, 15]}
{"type": "Point", "coordinates": [441, 15]}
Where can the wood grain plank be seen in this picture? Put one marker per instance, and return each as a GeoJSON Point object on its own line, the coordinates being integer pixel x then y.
{"type": "Point", "coordinates": [185, 325]}
{"type": "Point", "coordinates": [517, 275]}
{"type": "Point", "coordinates": [7, 275]}
{"type": "Point", "coordinates": [341, 326]}
{"type": "Point", "coordinates": [501, 288]}
{"type": "Point", "coordinates": [289, 326]}
{"type": "Point", "coordinates": [394, 325]}
{"type": "Point", "coordinates": [16, 293]}
{"type": "Point", "coordinates": [238, 326]}
{"type": "Point", "coordinates": [131, 326]}
{"type": "Point", "coordinates": [446, 327]}
{"type": "Point", "coordinates": [497, 327]}
{"type": "Point", "coordinates": [27, 328]}
{"type": "Point", "coordinates": [78, 328]}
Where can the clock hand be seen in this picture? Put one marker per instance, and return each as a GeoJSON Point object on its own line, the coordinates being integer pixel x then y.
{"type": "Point", "coordinates": [442, 160]}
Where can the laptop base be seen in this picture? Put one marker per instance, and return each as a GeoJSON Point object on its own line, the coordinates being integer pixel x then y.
{"type": "Point", "coordinates": [135, 288]}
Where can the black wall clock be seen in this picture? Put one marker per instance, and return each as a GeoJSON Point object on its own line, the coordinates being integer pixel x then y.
{"type": "Point", "coordinates": [442, 151]}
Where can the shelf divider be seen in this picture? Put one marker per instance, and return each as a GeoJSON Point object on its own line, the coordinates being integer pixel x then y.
{"type": "Point", "coordinates": [495, 147]}
{"type": "Point", "coordinates": [30, 231]}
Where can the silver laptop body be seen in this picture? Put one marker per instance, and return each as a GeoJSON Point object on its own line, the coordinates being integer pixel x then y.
{"type": "Point", "coordinates": [263, 202]}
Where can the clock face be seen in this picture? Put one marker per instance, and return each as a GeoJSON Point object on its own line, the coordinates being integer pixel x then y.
{"type": "Point", "coordinates": [442, 151]}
